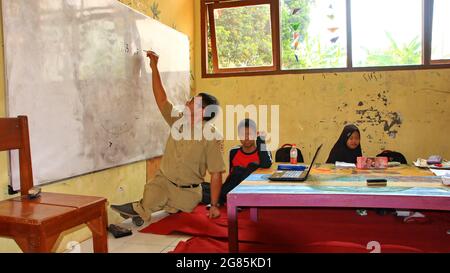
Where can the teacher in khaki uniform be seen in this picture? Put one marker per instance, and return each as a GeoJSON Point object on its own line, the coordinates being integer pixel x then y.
{"type": "Point", "coordinates": [177, 184]}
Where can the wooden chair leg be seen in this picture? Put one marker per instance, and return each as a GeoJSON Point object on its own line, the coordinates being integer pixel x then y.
{"type": "Point", "coordinates": [99, 233]}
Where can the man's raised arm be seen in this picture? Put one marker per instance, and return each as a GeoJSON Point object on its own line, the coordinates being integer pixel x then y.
{"type": "Point", "coordinates": [158, 88]}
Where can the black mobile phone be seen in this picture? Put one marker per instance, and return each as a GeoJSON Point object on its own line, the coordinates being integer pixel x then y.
{"type": "Point", "coordinates": [376, 180]}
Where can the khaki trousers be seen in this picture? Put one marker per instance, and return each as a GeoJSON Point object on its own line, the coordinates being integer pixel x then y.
{"type": "Point", "coordinates": [161, 194]}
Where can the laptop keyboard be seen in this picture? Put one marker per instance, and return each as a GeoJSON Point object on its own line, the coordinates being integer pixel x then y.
{"type": "Point", "coordinates": [291, 174]}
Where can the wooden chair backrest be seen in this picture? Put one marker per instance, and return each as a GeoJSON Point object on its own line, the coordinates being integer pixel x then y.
{"type": "Point", "coordinates": [14, 135]}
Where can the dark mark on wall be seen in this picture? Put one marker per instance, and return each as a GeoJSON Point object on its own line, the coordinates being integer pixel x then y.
{"type": "Point", "coordinates": [110, 144]}
{"type": "Point", "coordinates": [370, 76]}
{"type": "Point", "coordinates": [391, 121]}
{"type": "Point", "coordinates": [383, 97]}
{"type": "Point", "coordinates": [364, 76]}
{"type": "Point", "coordinates": [393, 133]}
{"type": "Point", "coordinates": [395, 120]}
{"type": "Point", "coordinates": [360, 103]}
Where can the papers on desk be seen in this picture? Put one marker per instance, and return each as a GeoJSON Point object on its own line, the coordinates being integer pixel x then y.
{"type": "Point", "coordinates": [344, 165]}
{"type": "Point", "coordinates": [422, 163]}
{"type": "Point", "coordinates": [444, 174]}
{"type": "Point", "coordinates": [440, 172]}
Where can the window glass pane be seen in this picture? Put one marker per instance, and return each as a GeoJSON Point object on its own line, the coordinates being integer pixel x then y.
{"type": "Point", "coordinates": [313, 34]}
{"type": "Point", "coordinates": [386, 32]}
{"type": "Point", "coordinates": [441, 32]}
{"type": "Point", "coordinates": [209, 68]}
{"type": "Point", "coordinates": [244, 36]}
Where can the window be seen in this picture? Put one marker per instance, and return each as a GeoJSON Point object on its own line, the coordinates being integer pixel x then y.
{"type": "Point", "coordinates": [386, 32]}
{"type": "Point", "coordinates": [313, 34]}
{"type": "Point", "coordinates": [440, 51]}
{"type": "Point", "coordinates": [241, 35]}
{"type": "Point", "coordinates": [257, 37]}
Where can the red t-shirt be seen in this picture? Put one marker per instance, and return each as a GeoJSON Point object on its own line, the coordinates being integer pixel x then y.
{"type": "Point", "coordinates": [242, 159]}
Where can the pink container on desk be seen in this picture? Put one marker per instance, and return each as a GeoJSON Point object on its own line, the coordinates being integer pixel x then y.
{"type": "Point", "coordinates": [363, 162]}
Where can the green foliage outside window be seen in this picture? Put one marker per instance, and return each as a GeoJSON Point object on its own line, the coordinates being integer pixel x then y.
{"type": "Point", "coordinates": [244, 36]}
{"type": "Point", "coordinates": [406, 54]}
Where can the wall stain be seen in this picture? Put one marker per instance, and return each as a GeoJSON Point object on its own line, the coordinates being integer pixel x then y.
{"type": "Point", "coordinates": [370, 76]}
{"type": "Point", "coordinates": [382, 96]}
{"type": "Point", "coordinates": [395, 120]}
{"type": "Point", "coordinates": [391, 121]}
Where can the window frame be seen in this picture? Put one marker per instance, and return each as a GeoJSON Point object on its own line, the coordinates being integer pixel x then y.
{"type": "Point", "coordinates": [207, 10]}
{"type": "Point", "coordinates": [212, 5]}
{"type": "Point", "coordinates": [429, 11]}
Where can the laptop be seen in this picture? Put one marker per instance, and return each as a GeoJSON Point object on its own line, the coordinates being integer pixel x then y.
{"type": "Point", "coordinates": [290, 176]}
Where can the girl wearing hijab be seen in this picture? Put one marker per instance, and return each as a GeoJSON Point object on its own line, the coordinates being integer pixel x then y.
{"type": "Point", "coordinates": [348, 147]}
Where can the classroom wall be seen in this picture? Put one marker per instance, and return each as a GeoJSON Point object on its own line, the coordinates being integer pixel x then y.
{"type": "Point", "coordinates": [118, 185]}
{"type": "Point", "coordinates": [408, 111]}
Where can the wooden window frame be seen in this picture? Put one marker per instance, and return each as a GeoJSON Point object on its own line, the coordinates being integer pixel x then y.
{"type": "Point", "coordinates": [274, 18]}
{"type": "Point", "coordinates": [207, 9]}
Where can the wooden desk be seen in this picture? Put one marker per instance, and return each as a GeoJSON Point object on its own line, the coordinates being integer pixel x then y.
{"type": "Point", "coordinates": [407, 188]}
{"type": "Point", "coordinates": [36, 224]}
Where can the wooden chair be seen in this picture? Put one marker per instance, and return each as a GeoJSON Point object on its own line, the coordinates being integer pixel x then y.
{"type": "Point", "coordinates": [36, 224]}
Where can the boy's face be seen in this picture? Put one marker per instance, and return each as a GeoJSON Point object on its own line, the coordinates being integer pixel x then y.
{"type": "Point", "coordinates": [247, 136]}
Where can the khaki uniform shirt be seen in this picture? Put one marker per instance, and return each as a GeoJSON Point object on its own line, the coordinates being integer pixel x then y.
{"type": "Point", "coordinates": [185, 162]}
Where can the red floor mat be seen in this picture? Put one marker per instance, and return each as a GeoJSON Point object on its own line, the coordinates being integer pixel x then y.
{"type": "Point", "coordinates": [210, 245]}
{"type": "Point", "coordinates": [308, 230]}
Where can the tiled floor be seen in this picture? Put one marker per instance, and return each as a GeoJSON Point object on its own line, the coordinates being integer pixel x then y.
{"type": "Point", "coordinates": [139, 242]}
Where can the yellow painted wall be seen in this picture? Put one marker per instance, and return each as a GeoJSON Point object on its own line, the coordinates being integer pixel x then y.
{"type": "Point", "coordinates": [118, 185]}
{"type": "Point", "coordinates": [315, 107]}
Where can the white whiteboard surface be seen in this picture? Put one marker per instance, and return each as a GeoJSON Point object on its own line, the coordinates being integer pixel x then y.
{"type": "Point", "coordinates": [77, 69]}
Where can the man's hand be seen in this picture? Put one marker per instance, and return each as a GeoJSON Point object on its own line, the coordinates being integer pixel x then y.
{"type": "Point", "coordinates": [153, 59]}
{"type": "Point", "coordinates": [213, 212]}
{"type": "Point", "coordinates": [216, 185]}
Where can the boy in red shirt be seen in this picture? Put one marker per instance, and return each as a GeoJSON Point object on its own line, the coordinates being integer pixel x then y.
{"type": "Point", "coordinates": [244, 159]}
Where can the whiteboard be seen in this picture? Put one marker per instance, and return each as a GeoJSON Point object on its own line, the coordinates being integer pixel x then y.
{"type": "Point", "coordinates": [77, 69]}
